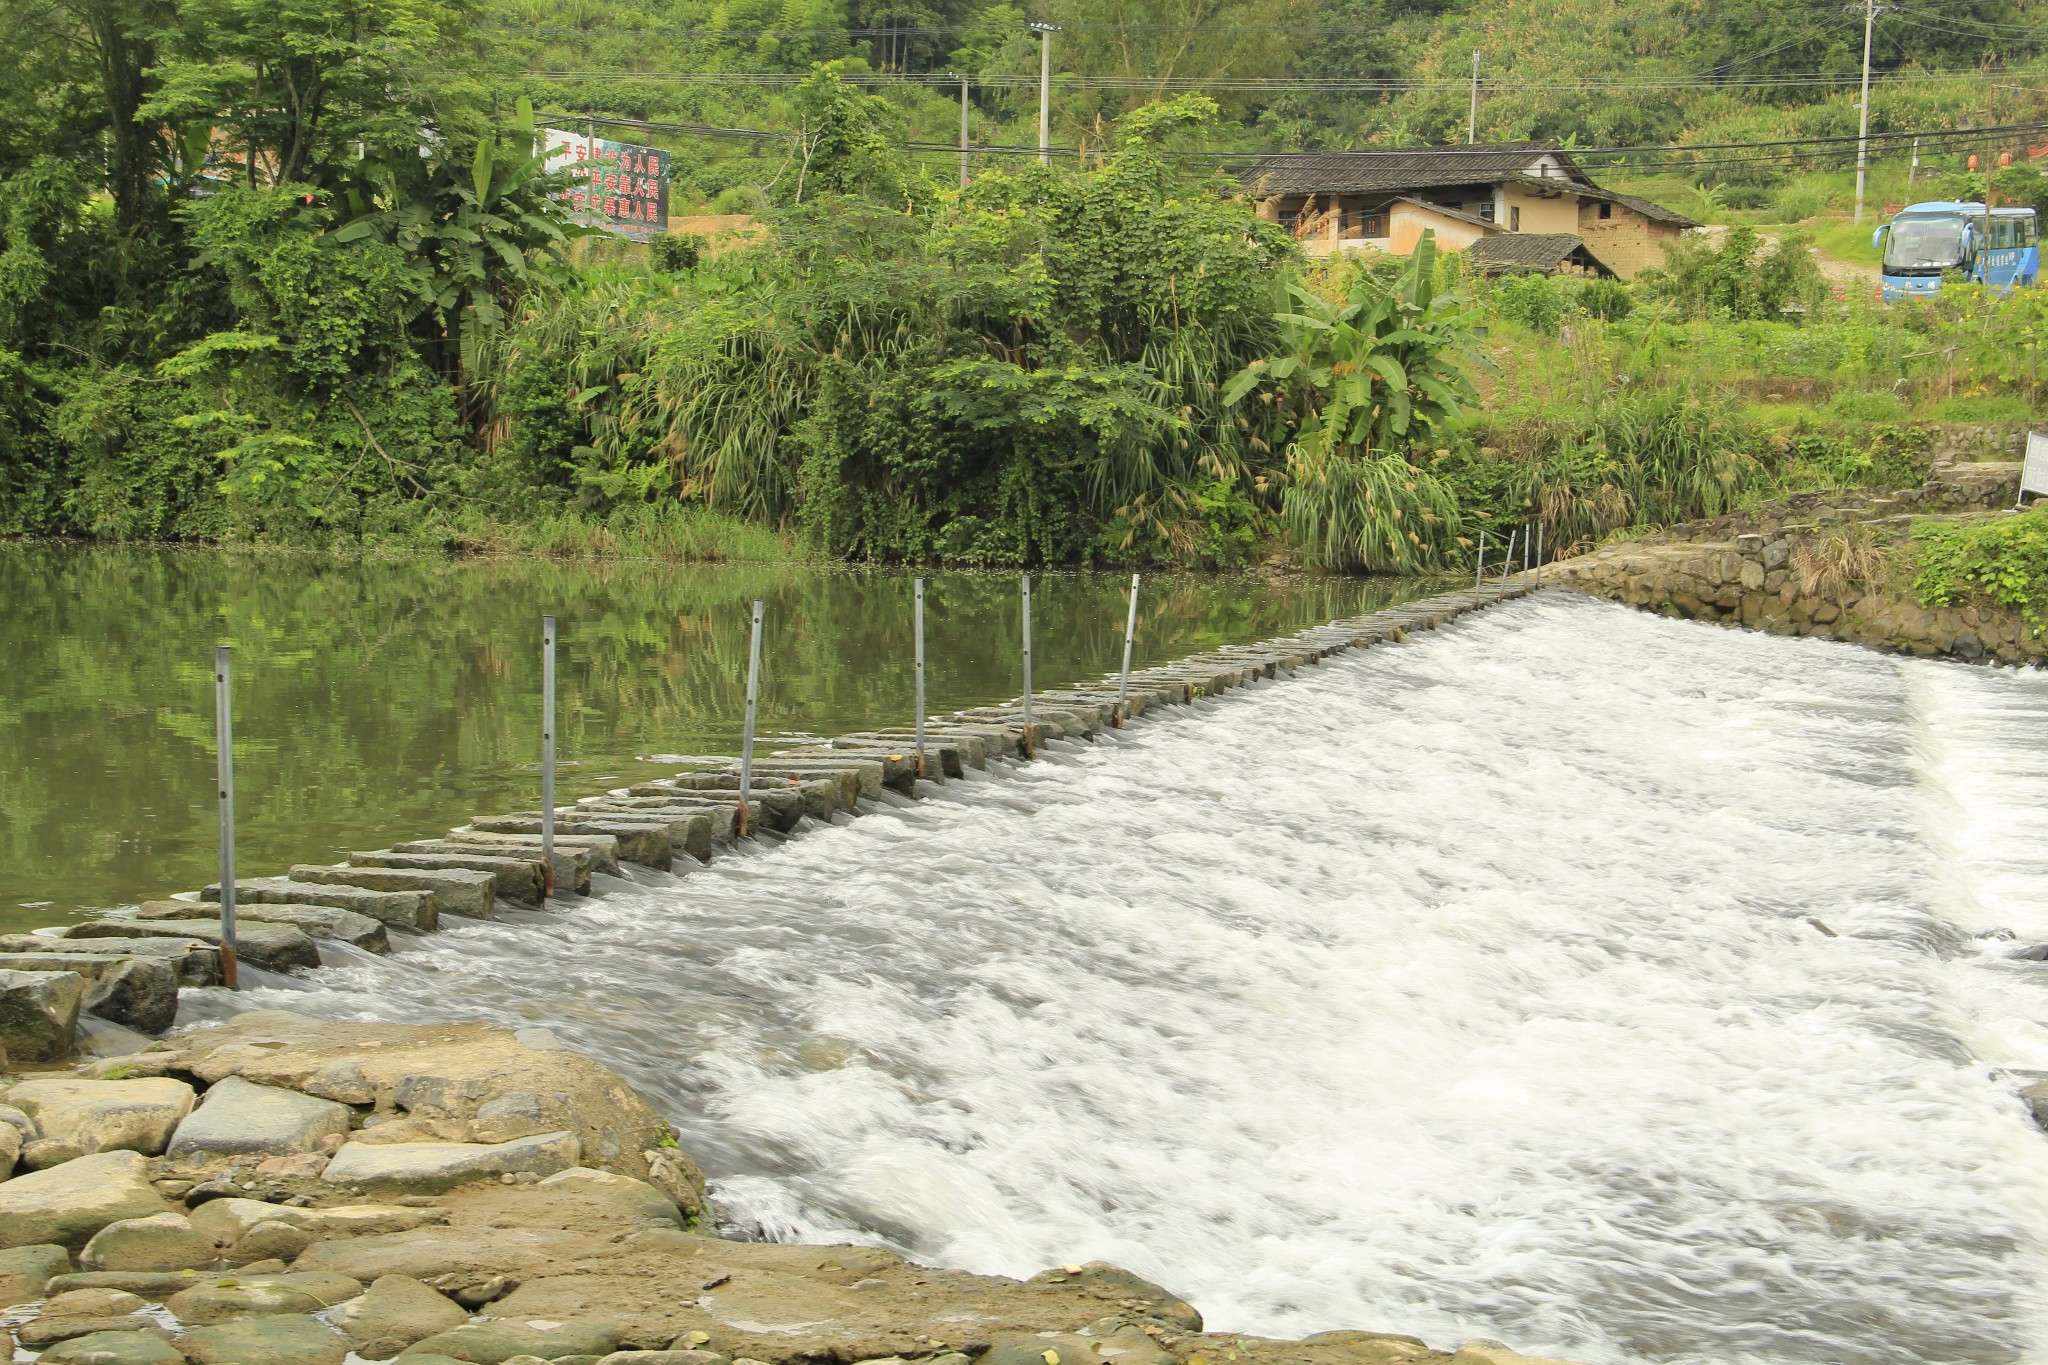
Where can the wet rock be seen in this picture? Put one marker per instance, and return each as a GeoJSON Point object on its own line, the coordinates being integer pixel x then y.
{"type": "Point", "coordinates": [395, 1312]}
{"type": "Point", "coordinates": [430, 1253]}
{"type": "Point", "coordinates": [279, 947]}
{"type": "Point", "coordinates": [49, 1330]}
{"type": "Point", "coordinates": [102, 1116]}
{"type": "Point", "coordinates": [1492, 1353]}
{"type": "Point", "coordinates": [39, 1014]}
{"type": "Point", "coordinates": [105, 1303]}
{"type": "Point", "coordinates": [114, 1348]}
{"type": "Point", "coordinates": [26, 1272]}
{"type": "Point", "coordinates": [404, 909]}
{"type": "Point", "coordinates": [684, 1357]}
{"type": "Point", "coordinates": [493, 1343]}
{"type": "Point", "coordinates": [1115, 1283]}
{"type": "Point", "coordinates": [195, 964]}
{"type": "Point", "coordinates": [136, 993]}
{"type": "Point", "coordinates": [149, 1284]}
{"type": "Point", "coordinates": [162, 1242]}
{"type": "Point", "coordinates": [449, 1071]}
{"type": "Point", "coordinates": [642, 1200]}
{"type": "Point", "coordinates": [455, 890]}
{"type": "Point", "coordinates": [314, 921]}
{"type": "Point", "coordinates": [285, 1339]}
{"type": "Point", "coordinates": [67, 1204]}
{"type": "Point", "coordinates": [238, 1118]}
{"type": "Point", "coordinates": [431, 1167]}
{"type": "Point", "coordinates": [228, 1297]}
{"type": "Point", "coordinates": [10, 1149]}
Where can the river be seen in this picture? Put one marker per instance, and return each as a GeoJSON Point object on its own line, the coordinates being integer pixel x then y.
{"type": "Point", "coordinates": [380, 699]}
{"type": "Point", "coordinates": [1608, 985]}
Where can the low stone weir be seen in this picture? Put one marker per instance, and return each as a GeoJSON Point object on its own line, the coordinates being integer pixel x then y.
{"type": "Point", "coordinates": [99, 984]}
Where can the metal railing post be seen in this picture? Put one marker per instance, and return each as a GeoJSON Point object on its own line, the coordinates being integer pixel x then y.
{"type": "Point", "coordinates": [1123, 686]}
{"type": "Point", "coordinates": [1029, 747]}
{"type": "Point", "coordinates": [224, 787]}
{"type": "Point", "coordinates": [747, 735]}
{"type": "Point", "coordinates": [1539, 554]}
{"type": "Point", "coordinates": [547, 754]}
{"type": "Point", "coordinates": [918, 635]}
{"type": "Point", "coordinates": [1479, 579]}
{"type": "Point", "coordinates": [1507, 564]}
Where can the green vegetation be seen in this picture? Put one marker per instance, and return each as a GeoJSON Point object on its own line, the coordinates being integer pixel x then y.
{"type": "Point", "coordinates": [2003, 563]}
{"type": "Point", "coordinates": [292, 274]}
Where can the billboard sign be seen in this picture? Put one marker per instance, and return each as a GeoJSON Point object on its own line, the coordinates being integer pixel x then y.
{"type": "Point", "coordinates": [618, 185]}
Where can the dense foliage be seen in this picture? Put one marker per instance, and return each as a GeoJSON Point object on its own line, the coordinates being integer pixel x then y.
{"type": "Point", "coordinates": [2002, 562]}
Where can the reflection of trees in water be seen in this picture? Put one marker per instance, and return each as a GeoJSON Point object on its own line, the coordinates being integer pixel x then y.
{"type": "Point", "coordinates": [384, 698]}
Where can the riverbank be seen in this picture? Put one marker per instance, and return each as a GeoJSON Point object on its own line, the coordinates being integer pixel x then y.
{"type": "Point", "coordinates": [1844, 566]}
{"type": "Point", "coordinates": [460, 1192]}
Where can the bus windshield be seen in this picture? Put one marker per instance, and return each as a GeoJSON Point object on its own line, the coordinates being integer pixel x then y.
{"type": "Point", "coordinates": [1924, 244]}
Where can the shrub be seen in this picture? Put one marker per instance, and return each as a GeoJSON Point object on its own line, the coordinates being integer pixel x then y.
{"type": "Point", "coordinates": [1535, 301]}
{"type": "Point", "coordinates": [1607, 300]}
{"type": "Point", "coordinates": [1799, 201]}
{"type": "Point", "coordinates": [2003, 561]}
{"type": "Point", "coordinates": [1851, 556]}
{"type": "Point", "coordinates": [1869, 406]}
{"type": "Point", "coordinates": [676, 252]}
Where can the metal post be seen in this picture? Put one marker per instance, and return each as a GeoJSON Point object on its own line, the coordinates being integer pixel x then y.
{"type": "Point", "coordinates": [547, 754]}
{"type": "Point", "coordinates": [1528, 548]}
{"type": "Point", "coordinates": [1863, 131]}
{"type": "Point", "coordinates": [1028, 745]}
{"type": "Point", "coordinates": [963, 132]}
{"type": "Point", "coordinates": [747, 735]}
{"type": "Point", "coordinates": [1507, 565]}
{"type": "Point", "coordinates": [918, 633]}
{"type": "Point", "coordinates": [1123, 687]}
{"type": "Point", "coordinates": [1479, 580]}
{"type": "Point", "coordinates": [224, 787]}
{"type": "Point", "coordinates": [1472, 119]}
{"type": "Point", "coordinates": [1913, 166]}
{"type": "Point", "coordinates": [1539, 554]}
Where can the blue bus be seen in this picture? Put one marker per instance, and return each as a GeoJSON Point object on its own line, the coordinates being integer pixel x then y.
{"type": "Point", "coordinates": [2000, 249]}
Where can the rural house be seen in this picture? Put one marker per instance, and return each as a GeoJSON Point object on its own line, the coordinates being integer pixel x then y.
{"type": "Point", "coordinates": [1473, 197]}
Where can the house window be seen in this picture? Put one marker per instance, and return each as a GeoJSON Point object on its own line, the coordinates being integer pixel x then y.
{"type": "Point", "coordinates": [1486, 211]}
{"type": "Point", "coordinates": [1606, 211]}
{"type": "Point", "coordinates": [1372, 224]}
{"type": "Point", "coordinates": [1515, 218]}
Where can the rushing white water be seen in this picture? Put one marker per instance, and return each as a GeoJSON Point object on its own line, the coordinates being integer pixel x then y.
{"type": "Point", "coordinates": [1603, 984]}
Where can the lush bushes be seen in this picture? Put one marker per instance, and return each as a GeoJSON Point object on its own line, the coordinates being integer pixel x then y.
{"type": "Point", "coordinates": [2002, 561]}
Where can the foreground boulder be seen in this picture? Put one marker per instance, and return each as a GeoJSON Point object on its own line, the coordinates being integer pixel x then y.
{"type": "Point", "coordinates": [39, 1014]}
{"type": "Point", "coordinates": [241, 1119]}
{"type": "Point", "coordinates": [432, 1167]}
{"type": "Point", "coordinates": [114, 1348]}
{"type": "Point", "coordinates": [104, 1116]}
{"type": "Point", "coordinates": [65, 1205]}
{"type": "Point", "coordinates": [284, 1339]}
{"type": "Point", "coordinates": [162, 1241]}
{"type": "Point", "coordinates": [396, 1312]}
{"type": "Point", "coordinates": [26, 1272]}
{"type": "Point", "coordinates": [454, 1082]}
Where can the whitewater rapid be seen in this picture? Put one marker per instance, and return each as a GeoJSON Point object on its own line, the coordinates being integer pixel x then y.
{"type": "Point", "coordinates": [1615, 987]}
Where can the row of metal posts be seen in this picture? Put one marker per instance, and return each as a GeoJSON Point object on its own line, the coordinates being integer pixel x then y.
{"type": "Point", "coordinates": [223, 720]}
{"type": "Point", "coordinates": [224, 726]}
{"type": "Point", "coordinates": [1532, 556]}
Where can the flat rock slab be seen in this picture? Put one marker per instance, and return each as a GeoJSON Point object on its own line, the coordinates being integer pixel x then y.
{"type": "Point", "coordinates": [314, 921]}
{"type": "Point", "coordinates": [280, 947]}
{"type": "Point", "coordinates": [489, 1343]}
{"type": "Point", "coordinates": [455, 890]}
{"type": "Point", "coordinates": [399, 909]}
{"type": "Point", "coordinates": [196, 964]}
{"type": "Point", "coordinates": [601, 849]}
{"type": "Point", "coordinates": [222, 1299]}
{"type": "Point", "coordinates": [139, 994]}
{"type": "Point", "coordinates": [642, 1200]}
{"type": "Point", "coordinates": [104, 1116]}
{"type": "Point", "coordinates": [514, 879]}
{"type": "Point", "coordinates": [114, 1348]}
{"type": "Point", "coordinates": [637, 841]}
{"type": "Point", "coordinates": [238, 1118]}
{"type": "Point", "coordinates": [428, 1253]}
{"type": "Point", "coordinates": [430, 1167]}
{"type": "Point", "coordinates": [65, 1205]}
{"type": "Point", "coordinates": [283, 1339]}
{"type": "Point", "coordinates": [39, 1014]}
{"type": "Point", "coordinates": [397, 1311]}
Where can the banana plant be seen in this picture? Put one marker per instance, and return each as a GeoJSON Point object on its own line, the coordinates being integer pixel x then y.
{"type": "Point", "coordinates": [478, 230]}
{"type": "Point", "coordinates": [1369, 376]}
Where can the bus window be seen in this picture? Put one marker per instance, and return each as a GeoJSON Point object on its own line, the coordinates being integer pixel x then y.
{"type": "Point", "coordinates": [2005, 232]}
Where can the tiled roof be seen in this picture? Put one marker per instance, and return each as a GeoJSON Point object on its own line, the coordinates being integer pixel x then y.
{"type": "Point", "coordinates": [1423, 168]}
{"type": "Point", "coordinates": [1649, 208]}
{"type": "Point", "coordinates": [1539, 251]}
{"type": "Point", "coordinates": [1462, 217]}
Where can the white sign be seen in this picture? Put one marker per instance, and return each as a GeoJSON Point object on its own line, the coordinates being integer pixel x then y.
{"type": "Point", "coordinates": [2034, 474]}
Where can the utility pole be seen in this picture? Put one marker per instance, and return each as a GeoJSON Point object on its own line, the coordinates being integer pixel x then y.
{"type": "Point", "coordinates": [963, 132]}
{"type": "Point", "coordinates": [1863, 133]}
{"type": "Point", "coordinates": [1472, 119]}
{"type": "Point", "coordinates": [1045, 32]}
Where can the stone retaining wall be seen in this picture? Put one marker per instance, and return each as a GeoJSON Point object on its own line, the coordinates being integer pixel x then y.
{"type": "Point", "coordinates": [1748, 580]}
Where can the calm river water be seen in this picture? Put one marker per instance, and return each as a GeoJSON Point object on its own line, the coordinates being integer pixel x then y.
{"type": "Point", "coordinates": [386, 699]}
